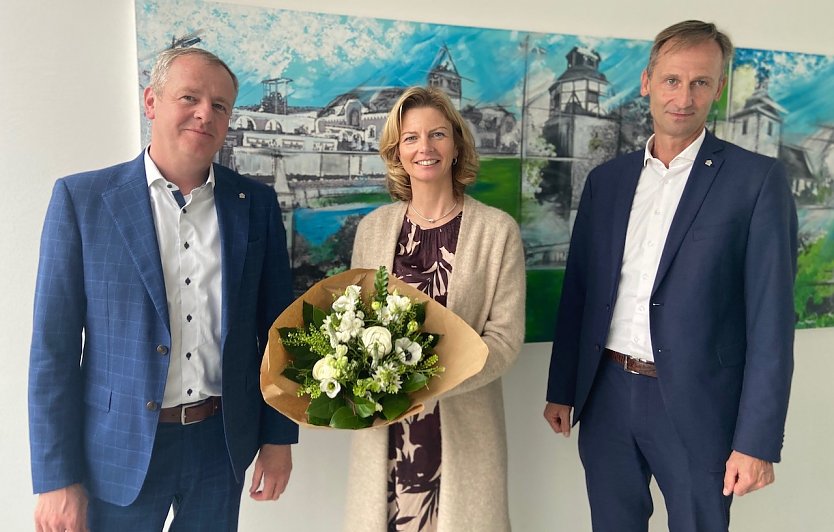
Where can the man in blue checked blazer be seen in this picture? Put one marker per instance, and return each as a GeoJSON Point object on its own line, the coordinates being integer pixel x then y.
{"type": "Point", "coordinates": [158, 281]}
{"type": "Point", "coordinates": [674, 340]}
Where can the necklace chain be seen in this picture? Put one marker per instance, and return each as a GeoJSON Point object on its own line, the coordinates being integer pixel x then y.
{"type": "Point", "coordinates": [432, 220]}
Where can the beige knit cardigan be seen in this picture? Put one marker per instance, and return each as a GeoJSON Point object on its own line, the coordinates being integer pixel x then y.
{"type": "Point", "coordinates": [487, 290]}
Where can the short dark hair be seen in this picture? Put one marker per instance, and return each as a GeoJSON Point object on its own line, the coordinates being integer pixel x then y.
{"type": "Point", "coordinates": [689, 33]}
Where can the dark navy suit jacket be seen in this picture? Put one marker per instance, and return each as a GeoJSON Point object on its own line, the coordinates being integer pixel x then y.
{"type": "Point", "coordinates": [721, 309]}
{"type": "Point", "coordinates": [99, 356]}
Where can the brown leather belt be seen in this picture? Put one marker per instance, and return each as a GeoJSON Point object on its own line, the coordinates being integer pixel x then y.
{"type": "Point", "coordinates": [632, 365]}
{"type": "Point", "coordinates": [190, 413]}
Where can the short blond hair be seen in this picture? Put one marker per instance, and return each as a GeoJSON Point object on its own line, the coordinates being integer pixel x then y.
{"type": "Point", "coordinates": [464, 170]}
{"type": "Point", "coordinates": [159, 73]}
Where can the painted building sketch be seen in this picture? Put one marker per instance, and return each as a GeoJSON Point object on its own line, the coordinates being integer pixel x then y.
{"type": "Point", "coordinates": [544, 109]}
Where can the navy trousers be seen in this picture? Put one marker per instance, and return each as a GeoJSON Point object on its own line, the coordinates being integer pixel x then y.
{"type": "Point", "coordinates": [625, 439]}
{"type": "Point", "coordinates": [190, 470]}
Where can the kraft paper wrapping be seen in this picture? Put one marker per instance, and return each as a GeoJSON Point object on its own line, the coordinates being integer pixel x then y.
{"type": "Point", "coordinates": [460, 349]}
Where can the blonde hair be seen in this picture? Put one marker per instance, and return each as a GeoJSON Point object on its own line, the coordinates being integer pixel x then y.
{"type": "Point", "coordinates": [159, 73]}
{"type": "Point", "coordinates": [464, 170]}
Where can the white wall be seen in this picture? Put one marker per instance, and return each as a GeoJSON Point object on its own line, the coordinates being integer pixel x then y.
{"type": "Point", "coordinates": [68, 95]}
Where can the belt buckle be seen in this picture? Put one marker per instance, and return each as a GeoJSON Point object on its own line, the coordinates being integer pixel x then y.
{"type": "Point", "coordinates": [626, 358]}
{"type": "Point", "coordinates": [186, 407]}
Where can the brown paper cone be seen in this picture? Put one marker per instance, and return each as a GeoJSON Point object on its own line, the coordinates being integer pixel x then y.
{"type": "Point", "coordinates": [461, 351]}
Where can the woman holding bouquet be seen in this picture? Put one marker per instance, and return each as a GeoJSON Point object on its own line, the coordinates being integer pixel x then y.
{"type": "Point", "coordinates": [444, 469]}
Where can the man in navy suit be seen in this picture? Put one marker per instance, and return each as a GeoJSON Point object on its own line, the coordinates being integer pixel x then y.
{"type": "Point", "coordinates": [158, 281]}
{"type": "Point", "coordinates": [674, 339]}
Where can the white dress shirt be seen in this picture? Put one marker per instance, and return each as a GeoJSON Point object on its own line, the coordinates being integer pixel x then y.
{"type": "Point", "coordinates": [655, 201]}
{"type": "Point", "coordinates": [189, 247]}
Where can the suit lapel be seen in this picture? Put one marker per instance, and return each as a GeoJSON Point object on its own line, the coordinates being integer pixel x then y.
{"type": "Point", "coordinates": [129, 204]}
{"type": "Point", "coordinates": [232, 205]}
{"type": "Point", "coordinates": [704, 169]}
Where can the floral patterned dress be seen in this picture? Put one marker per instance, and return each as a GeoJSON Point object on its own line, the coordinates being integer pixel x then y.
{"type": "Point", "coordinates": [424, 259]}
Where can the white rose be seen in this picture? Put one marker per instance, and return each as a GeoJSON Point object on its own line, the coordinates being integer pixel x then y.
{"type": "Point", "coordinates": [408, 352]}
{"type": "Point", "coordinates": [323, 369]}
{"type": "Point", "coordinates": [331, 387]}
{"type": "Point", "coordinates": [377, 341]}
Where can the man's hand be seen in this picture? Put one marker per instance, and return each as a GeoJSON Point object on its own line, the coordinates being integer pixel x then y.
{"type": "Point", "coordinates": [62, 510]}
{"type": "Point", "coordinates": [272, 472]}
{"type": "Point", "coordinates": [558, 417]}
{"type": "Point", "coordinates": [745, 473]}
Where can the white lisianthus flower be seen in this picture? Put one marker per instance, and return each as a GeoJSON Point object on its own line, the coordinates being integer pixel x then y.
{"type": "Point", "coordinates": [348, 300]}
{"type": "Point", "coordinates": [384, 315]}
{"type": "Point", "coordinates": [397, 304]}
{"type": "Point", "coordinates": [323, 369]}
{"type": "Point", "coordinates": [341, 350]}
{"type": "Point", "coordinates": [377, 342]}
{"type": "Point", "coordinates": [407, 351]}
{"type": "Point", "coordinates": [331, 387]}
{"type": "Point", "coordinates": [350, 326]}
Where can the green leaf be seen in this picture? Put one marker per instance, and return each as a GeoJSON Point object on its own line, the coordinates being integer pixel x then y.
{"type": "Point", "coordinates": [307, 313]}
{"type": "Point", "coordinates": [319, 421]}
{"type": "Point", "coordinates": [302, 356]}
{"type": "Point", "coordinates": [344, 418]}
{"type": "Point", "coordinates": [420, 313]}
{"type": "Point", "coordinates": [364, 407]}
{"type": "Point", "coordinates": [323, 407]}
{"type": "Point", "coordinates": [318, 317]}
{"type": "Point", "coordinates": [416, 381]}
{"type": "Point", "coordinates": [312, 315]}
{"type": "Point", "coordinates": [381, 284]}
{"type": "Point", "coordinates": [394, 405]}
{"type": "Point", "coordinates": [294, 374]}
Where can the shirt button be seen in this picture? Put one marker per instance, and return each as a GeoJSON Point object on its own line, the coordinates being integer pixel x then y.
{"type": "Point", "coordinates": [657, 212]}
{"type": "Point", "coordinates": [151, 405]}
{"type": "Point", "coordinates": [184, 211]}
{"type": "Point", "coordinates": [186, 245]}
{"type": "Point", "coordinates": [650, 244]}
{"type": "Point", "coordinates": [190, 391]}
{"type": "Point", "coordinates": [644, 276]}
{"type": "Point", "coordinates": [641, 308]}
{"type": "Point", "coordinates": [188, 356]}
{"type": "Point", "coordinates": [162, 350]}
{"type": "Point", "coordinates": [188, 318]}
{"type": "Point", "coordinates": [187, 281]}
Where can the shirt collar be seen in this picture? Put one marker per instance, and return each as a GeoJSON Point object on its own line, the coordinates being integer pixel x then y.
{"type": "Point", "coordinates": [688, 154]}
{"type": "Point", "coordinates": [153, 175]}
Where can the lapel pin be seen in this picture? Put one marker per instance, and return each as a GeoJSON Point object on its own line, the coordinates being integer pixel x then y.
{"type": "Point", "coordinates": [708, 162]}
{"type": "Point", "coordinates": [243, 196]}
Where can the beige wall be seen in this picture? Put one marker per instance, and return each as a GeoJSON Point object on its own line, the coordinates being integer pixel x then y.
{"type": "Point", "coordinates": [68, 95]}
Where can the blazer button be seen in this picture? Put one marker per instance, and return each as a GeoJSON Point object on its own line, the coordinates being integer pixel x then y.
{"type": "Point", "coordinates": [152, 406]}
{"type": "Point", "coordinates": [162, 350]}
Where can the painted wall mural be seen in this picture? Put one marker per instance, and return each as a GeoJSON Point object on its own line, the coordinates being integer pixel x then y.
{"type": "Point", "coordinates": [544, 109]}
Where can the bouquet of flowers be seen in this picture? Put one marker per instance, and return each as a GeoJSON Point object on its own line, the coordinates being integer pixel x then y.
{"type": "Point", "coordinates": [364, 362]}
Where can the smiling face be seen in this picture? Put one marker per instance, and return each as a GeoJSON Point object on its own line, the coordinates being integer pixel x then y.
{"type": "Point", "coordinates": [427, 147]}
{"type": "Point", "coordinates": [190, 116]}
{"type": "Point", "coordinates": [683, 84]}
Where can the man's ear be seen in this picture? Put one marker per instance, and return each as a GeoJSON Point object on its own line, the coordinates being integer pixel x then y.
{"type": "Point", "coordinates": [149, 100]}
{"type": "Point", "coordinates": [644, 83]}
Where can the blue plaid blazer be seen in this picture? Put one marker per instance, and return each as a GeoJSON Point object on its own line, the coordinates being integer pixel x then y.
{"type": "Point", "coordinates": [101, 324]}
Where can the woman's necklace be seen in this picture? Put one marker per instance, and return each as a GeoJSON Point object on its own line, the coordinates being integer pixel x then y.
{"type": "Point", "coordinates": [432, 220]}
